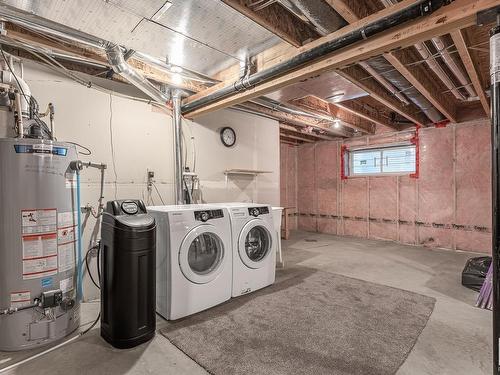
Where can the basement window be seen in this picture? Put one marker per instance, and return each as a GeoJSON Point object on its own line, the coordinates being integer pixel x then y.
{"type": "Point", "coordinates": [390, 160]}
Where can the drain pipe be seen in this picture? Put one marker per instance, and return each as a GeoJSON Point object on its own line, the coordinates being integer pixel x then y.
{"type": "Point", "coordinates": [411, 13]}
{"type": "Point", "coordinates": [177, 123]}
{"type": "Point", "coordinates": [495, 188]}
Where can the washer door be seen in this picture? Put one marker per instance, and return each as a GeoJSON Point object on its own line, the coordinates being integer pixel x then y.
{"type": "Point", "coordinates": [201, 254]}
{"type": "Point", "coordinates": [255, 243]}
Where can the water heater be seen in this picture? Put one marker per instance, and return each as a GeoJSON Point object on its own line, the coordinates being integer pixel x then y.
{"type": "Point", "coordinates": [38, 242]}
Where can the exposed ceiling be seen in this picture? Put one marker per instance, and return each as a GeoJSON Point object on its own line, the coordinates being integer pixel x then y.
{"type": "Point", "coordinates": [201, 35]}
{"type": "Point", "coordinates": [394, 90]}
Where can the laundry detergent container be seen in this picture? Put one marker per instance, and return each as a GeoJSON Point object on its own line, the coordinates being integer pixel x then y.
{"type": "Point", "coordinates": [128, 280]}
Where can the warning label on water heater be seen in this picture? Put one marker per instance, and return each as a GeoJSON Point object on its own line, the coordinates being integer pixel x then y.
{"type": "Point", "coordinates": [20, 299]}
{"type": "Point", "coordinates": [39, 241]}
{"type": "Point", "coordinates": [39, 221]}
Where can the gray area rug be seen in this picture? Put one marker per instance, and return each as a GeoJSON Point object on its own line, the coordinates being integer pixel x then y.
{"type": "Point", "coordinates": [309, 322]}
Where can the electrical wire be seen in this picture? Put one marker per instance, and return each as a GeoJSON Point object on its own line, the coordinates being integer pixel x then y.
{"type": "Point", "coordinates": [92, 326]}
{"type": "Point", "coordinates": [158, 192]}
{"type": "Point", "coordinates": [88, 267]}
{"type": "Point", "coordinates": [89, 152]}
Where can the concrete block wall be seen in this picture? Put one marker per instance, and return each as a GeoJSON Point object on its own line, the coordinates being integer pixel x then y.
{"type": "Point", "coordinates": [447, 206]}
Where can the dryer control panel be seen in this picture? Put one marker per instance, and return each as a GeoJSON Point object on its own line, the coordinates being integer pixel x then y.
{"type": "Point", "coordinates": [257, 211]}
{"type": "Point", "coordinates": [208, 215]}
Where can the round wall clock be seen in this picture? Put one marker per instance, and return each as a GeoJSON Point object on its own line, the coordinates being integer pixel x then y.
{"type": "Point", "coordinates": [228, 136]}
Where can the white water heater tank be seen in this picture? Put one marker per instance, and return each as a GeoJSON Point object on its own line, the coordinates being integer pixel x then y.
{"type": "Point", "coordinates": [38, 242]}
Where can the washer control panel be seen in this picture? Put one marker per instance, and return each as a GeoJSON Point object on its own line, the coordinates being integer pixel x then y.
{"type": "Point", "coordinates": [208, 215]}
{"type": "Point", "coordinates": [257, 211]}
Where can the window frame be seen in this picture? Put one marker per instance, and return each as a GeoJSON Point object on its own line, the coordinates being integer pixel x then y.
{"type": "Point", "coordinates": [349, 160]}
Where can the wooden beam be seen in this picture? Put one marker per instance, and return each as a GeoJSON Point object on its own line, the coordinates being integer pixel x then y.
{"type": "Point", "coordinates": [419, 78]}
{"type": "Point", "coordinates": [300, 130]}
{"type": "Point", "coordinates": [318, 105]}
{"type": "Point", "coordinates": [360, 78]}
{"type": "Point", "coordinates": [296, 136]}
{"type": "Point", "coordinates": [277, 20]}
{"type": "Point", "coordinates": [297, 120]}
{"type": "Point", "coordinates": [359, 109]}
{"type": "Point", "coordinates": [416, 74]}
{"type": "Point", "coordinates": [460, 13]}
{"type": "Point", "coordinates": [294, 142]}
{"type": "Point", "coordinates": [98, 56]}
{"type": "Point", "coordinates": [459, 41]}
{"type": "Point", "coordinates": [345, 10]}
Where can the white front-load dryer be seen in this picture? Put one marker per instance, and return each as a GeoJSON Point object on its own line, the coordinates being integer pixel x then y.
{"type": "Point", "coordinates": [194, 258]}
{"type": "Point", "coordinates": [254, 247]}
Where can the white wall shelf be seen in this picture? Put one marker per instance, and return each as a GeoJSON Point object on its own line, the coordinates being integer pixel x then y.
{"type": "Point", "coordinates": [251, 172]}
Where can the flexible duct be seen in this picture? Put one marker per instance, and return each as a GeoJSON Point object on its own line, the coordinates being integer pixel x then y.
{"type": "Point", "coordinates": [384, 68]}
{"type": "Point", "coordinates": [321, 15]}
{"type": "Point", "coordinates": [120, 66]}
{"type": "Point", "coordinates": [412, 12]}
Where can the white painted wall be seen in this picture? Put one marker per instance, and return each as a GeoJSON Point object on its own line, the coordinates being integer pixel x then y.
{"type": "Point", "coordinates": [141, 138]}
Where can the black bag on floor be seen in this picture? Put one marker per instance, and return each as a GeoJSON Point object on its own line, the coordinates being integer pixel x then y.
{"type": "Point", "coordinates": [475, 272]}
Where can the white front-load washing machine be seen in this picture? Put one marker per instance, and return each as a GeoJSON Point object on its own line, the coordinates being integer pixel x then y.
{"type": "Point", "coordinates": [254, 246]}
{"type": "Point", "coordinates": [194, 258]}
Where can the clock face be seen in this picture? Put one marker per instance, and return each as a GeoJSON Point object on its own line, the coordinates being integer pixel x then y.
{"type": "Point", "coordinates": [228, 136]}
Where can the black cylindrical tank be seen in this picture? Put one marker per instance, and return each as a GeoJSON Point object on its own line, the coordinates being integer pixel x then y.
{"type": "Point", "coordinates": [128, 284]}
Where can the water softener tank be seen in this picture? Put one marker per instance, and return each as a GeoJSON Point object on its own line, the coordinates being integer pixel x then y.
{"type": "Point", "coordinates": [128, 281]}
{"type": "Point", "coordinates": [38, 242]}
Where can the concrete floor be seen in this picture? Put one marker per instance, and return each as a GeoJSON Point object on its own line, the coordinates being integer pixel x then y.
{"type": "Point", "coordinates": [457, 339]}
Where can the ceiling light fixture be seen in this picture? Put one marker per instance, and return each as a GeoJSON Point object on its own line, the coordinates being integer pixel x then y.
{"type": "Point", "coordinates": [336, 123]}
{"type": "Point", "coordinates": [160, 12]}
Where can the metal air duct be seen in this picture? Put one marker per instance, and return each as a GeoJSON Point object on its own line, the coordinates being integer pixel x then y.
{"type": "Point", "coordinates": [384, 68]}
{"type": "Point", "coordinates": [442, 48]}
{"type": "Point", "coordinates": [412, 12]}
{"type": "Point", "coordinates": [120, 66]}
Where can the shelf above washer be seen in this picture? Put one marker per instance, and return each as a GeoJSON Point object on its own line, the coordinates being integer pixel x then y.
{"type": "Point", "coordinates": [250, 172]}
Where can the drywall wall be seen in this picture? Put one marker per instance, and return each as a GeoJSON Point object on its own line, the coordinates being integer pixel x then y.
{"type": "Point", "coordinates": [132, 137]}
{"type": "Point", "coordinates": [448, 205]}
{"type": "Point", "coordinates": [288, 182]}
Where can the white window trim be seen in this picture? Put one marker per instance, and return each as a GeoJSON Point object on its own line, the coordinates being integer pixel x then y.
{"type": "Point", "coordinates": [380, 148]}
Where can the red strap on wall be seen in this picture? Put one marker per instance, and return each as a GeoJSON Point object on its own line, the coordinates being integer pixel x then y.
{"type": "Point", "coordinates": [343, 151]}
{"type": "Point", "coordinates": [416, 141]}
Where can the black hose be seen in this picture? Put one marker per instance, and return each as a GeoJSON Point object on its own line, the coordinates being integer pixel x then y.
{"type": "Point", "coordinates": [411, 13]}
{"type": "Point", "coordinates": [88, 267]}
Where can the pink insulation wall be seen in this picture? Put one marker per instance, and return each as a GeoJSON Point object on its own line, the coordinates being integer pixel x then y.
{"type": "Point", "coordinates": [448, 205]}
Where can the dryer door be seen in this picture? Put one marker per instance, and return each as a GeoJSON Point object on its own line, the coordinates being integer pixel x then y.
{"type": "Point", "coordinates": [255, 243]}
{"type": "Point", "coordinates": [202, 254]}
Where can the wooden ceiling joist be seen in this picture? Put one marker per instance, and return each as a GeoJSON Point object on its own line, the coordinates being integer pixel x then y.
{"type": "Point", "coordinates": [298, 120]}
{"type": "Point", "coordinates": [359, 109]}
{"type": "Point", "coordinates": [275, 19]}
{"type": "Point", "coordinates": [362, 79]}
{"type": "Point", "coordinates": [460, 44]}
{"type": "Point", "coordinates": [458, 14]}
{"type": "Point", "coordinates": [318, 105]}
{"type": "Point", "coordinates": [420, 78]}
{"type": "Point", "coordinates": [98, 56]}
{"type": "Point", "coordinates": [300, 130]}
{"type": "Point", "coordinates": [415, 74]}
